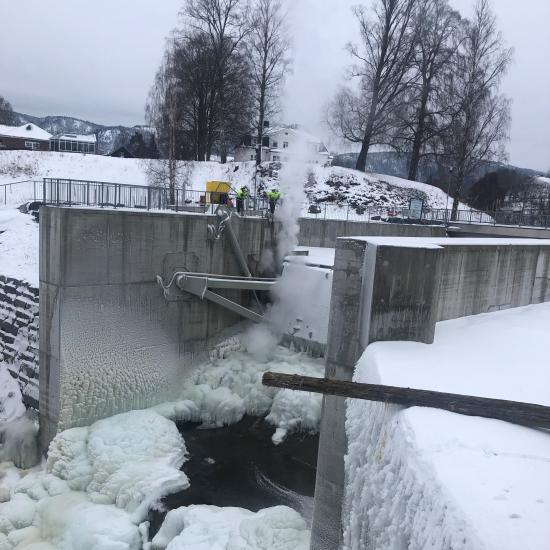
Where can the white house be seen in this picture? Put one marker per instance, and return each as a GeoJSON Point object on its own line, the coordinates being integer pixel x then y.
{"type": "Point", "coordinates": [282, 144]}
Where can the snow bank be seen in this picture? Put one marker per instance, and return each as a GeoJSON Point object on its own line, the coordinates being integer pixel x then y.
{"type": "Point", "coordinates": [421, 478]}
{"type": "Point", "coordinates": [213, 528]}
{"type": "Point", "coordinates": [336, 184]}
{"type": "Point", "coordinates": [18, 245]}
{"type": "Point", "coordinates": [96, 487]}
{"type": "Point", "coordinates": [221, 391]}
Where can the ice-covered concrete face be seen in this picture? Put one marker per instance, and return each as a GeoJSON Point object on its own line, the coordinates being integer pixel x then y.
{"type": "Point", "coordinates": [109, 341]}
{"type": "Point", "coordinates": [397, 289]}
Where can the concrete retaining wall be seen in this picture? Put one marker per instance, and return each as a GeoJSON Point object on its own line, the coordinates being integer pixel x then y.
{"type": "Point", "coordinates": [109, 341]}
{"type": "Point", "coordinates": [19, 335]}
{"type": "Point", "coordinates": [396, 289]}
{"type": "Point", "coordinates": [321, 232]}
{"type": "Point", "coordinates": [458, 229]}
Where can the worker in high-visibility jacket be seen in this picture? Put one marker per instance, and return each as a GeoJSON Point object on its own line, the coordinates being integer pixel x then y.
{"type": "Point", "coordinates": [242, 195]}
{"type": "Point", "coordinates": [273, 196]}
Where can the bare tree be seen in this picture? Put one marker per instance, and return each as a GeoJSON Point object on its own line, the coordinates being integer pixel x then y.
{"type": "Point", "coordinates": [7, 116]}
{"type": "Point", "coordinates": [479, 123]}
{"type": "Point", "coordinates": [226, 25]}
{"type": "Point", "coordinates": [161, 113]}
{"type": "Point", "coordinates": [383, 68]}
{"type": "Point", "coordinates": [437, 40]}
{"type": "Point", "coordinates": [268, 46]}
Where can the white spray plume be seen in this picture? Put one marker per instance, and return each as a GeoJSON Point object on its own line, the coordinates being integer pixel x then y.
{"type": "Point", "coordinates": [291, 184]}
{"type": "Point", "coordinates": [261, 341]}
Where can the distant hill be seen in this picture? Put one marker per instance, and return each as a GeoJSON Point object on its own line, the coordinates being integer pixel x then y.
{"type": "Point", "coordinates": [396, 164]}
{"type": "Point", "coordinates": [109, 138]}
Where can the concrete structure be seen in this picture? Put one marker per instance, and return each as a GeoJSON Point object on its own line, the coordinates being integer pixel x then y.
{"type": "Point", "coordinates": [397, 289]}
{"type": "Point", "coordinates": [109, 341]}
{"type": "Point", "coordinates": [457, 229]}
{"type": "Point", "coordinates": [321, 232]}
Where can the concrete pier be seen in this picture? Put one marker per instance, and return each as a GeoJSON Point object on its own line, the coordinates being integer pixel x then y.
{"type": "Point", "coordinates": [397, 289]}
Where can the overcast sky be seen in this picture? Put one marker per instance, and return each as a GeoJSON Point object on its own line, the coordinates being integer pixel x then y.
{"type": "Point", "coordinates": [97, 60]}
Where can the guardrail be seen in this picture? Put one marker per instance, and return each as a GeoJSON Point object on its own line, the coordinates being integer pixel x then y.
{"type": "Point", "coordinates": [20, 191]}
{"type": "Point", "coordinates": [69, 192]}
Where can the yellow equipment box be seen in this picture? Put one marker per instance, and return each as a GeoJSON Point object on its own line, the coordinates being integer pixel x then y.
{"type": "Point", "coordinates": [217, 192]}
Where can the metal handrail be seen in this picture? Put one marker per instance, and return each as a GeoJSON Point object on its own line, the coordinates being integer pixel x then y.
{"type": "Point", "coordinates": [70, 192]}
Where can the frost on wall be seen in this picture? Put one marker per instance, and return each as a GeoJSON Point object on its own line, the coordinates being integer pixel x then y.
{"type": "Point", "coordinates": [19, 334]}
{"type": "Point", "coordinates": [392, 499]}
{"type": "Point", "coordinates": [127, 360]}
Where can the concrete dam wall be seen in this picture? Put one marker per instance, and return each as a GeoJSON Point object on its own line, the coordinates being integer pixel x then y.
{"type": "Point", "coordinates": [397, 289]}
{"type": "Point", "coordinates": [109, 341]}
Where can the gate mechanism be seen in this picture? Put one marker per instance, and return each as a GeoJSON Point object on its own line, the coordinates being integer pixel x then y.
{"type": "Point", "coordinates": [200, 284]}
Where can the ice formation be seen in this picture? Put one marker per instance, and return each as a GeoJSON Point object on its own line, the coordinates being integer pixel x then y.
{"type": "Point", "coordinates": [425, 478]}
{"type": "Point", "coordinates": [96, 487]}
{"type": "Point", "coordinates": [212, 528]}
{"type": "Point", "coordinates": [223, 390]}
{"type": "Point", "coordinates": [11, 401]}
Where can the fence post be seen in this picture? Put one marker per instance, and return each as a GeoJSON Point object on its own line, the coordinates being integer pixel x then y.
{"type": "Point", "coordinates": [87, 193]}
{"type": "Point", "coordinates": [69, 193]}
{"type": "Point", "coordinates": [101, 204]}
{"type": "Point", "coordinates": [115, 201]}
{"type": "Point", "coordinates": [148, 198]}
{"type": "Point", "coordinates": [177, 198]}
{"type": "Point", "coordinates": [57, 191]}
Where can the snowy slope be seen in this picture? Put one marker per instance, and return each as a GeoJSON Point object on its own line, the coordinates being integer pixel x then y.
{"type": "Point", "coordinates": [430, 478]}
{"type": "Point", "coordinates": [322, 183]}
{"type": "Point", "coordinates": [18, 245]}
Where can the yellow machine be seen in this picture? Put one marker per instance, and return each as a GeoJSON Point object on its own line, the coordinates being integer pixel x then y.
{"type": "Point", "coordinates": [217, 192]}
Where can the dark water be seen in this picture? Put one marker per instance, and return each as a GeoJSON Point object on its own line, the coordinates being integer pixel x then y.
{"type": "Point", "coordinates": [240, 466]}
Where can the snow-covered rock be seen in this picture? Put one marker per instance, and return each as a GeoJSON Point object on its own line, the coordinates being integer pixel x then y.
{"type": "Point", "coordinates": [213, 528]}
{"type": "Point", "coordinates": [11, 400]}
{"type": "Point", "coordinates": [96, 487]}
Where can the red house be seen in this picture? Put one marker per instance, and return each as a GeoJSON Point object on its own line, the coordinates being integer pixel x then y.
{"type": "Point", "coordinates": [27, 136]}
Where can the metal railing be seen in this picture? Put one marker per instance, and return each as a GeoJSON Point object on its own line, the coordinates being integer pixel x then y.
{"type": "Point", "coordinates": [69, 192]}
{"type": "Point", "coordinates": [391, 214]}
{"type": "Point", "coordinates": [19, 192]}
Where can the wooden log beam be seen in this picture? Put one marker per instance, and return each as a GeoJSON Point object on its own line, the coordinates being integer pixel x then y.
{"type": "Point", "coordinates": [516, 412]}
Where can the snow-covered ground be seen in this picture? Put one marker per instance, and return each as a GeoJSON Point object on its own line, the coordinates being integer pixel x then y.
{"type": "Point", "coordinates": [18, 245]}
{"type": "Point", "coordinates": [326, 184]}
{"type": "Point", "coordinates": [420, 478]}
